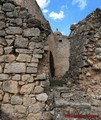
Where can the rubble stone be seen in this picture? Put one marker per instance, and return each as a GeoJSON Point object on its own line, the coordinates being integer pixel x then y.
{"type": "Point", "coordinates": [31, 32]}
{"type": "Point", "coordinates": [42, 97]}
{"type": "Point", "coordinates": [27, 89]}
{"type": "Point", "coordinates": [15, 68]}
{"type": "Point", "coordinates": [10, 86]}
{"type": "Point", "coordinates": [16, 100]}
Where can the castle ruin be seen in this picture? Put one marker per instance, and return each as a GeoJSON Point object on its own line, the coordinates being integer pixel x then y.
{"type": "Point", "coordinates": [31, 54]}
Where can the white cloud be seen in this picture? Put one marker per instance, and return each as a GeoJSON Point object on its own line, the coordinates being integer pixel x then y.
{"type": "Point", "coordinates": [57, 16]}
{"type": "Point", "coordinates": [43, 3]}
{"type": "Point", "coordinates": [82, 3]}
{"type": "Point", "coordinates": [45, 11]}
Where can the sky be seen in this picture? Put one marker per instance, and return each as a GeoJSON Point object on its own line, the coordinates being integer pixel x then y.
{"type": "Point", "coordinates": [62, 14]}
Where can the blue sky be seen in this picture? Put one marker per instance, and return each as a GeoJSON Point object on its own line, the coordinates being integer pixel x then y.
{"type": "Point", "coordinates": [62, 13]}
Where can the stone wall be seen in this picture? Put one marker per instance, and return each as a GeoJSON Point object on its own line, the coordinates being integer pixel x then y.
{"type": "Point", "coordinates": [25, 91]}
{"type": "Point", "coordinates": [23, 63]}
{"type": "Point", "coordinates": [59, 46]}
{"type": "Point", "coordinates": [33, 8]}
{"type": "Point", "coordinates": [85, 40]}
{"type": "Point", "coordinates": [85, 54]}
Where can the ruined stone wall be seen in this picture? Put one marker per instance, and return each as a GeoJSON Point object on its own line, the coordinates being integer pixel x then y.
{"type": "Point", "coordinates": [85, 47]}
{"type": "Point", "coordinates": [85, 53]}
{"type": "Point", "coordinates": [23, 63]}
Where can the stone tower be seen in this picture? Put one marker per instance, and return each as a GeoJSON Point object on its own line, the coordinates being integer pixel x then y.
{"type": "Point", "coordinates": [59, 48]}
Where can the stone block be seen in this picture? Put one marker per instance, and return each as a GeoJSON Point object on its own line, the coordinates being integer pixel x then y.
{"type": "Point", "coordinates": [20, 109]}
{"type": "Point", "coordinates": [13, 30]}
{"type": "Point", "coordinates": [27, 78]}
{"type": "Point", "coordinates": [42, 97]}
{"type": "Point", "coordinates": [15, 68]}
{"type": "Point", "coordinates": [38, 51]}
{"type": "Point", "coordinates": [31, 32]}
{"type": "Point", "coordinates": [4, 77]}
{"type": "Point", "coordinates": [14, 22]}
{"type": "Point", "coordinates": [18, 21]}
{"type": "Point", "coordinates": [8, 7]}
{"type": "Point", "coordinates": [23, 58]}
{"type": "Point", "coordinates": [16, 77]}
{"type": "Point", "coordinates": [10, 86]}
{"type": "Point", "coordinates": [2, 16]}
{"type": "Point", "coordinates": [2, 24]}
{"type": "Point", "coordinates": [97, 66]}
{"type": "Point", "coordinates": [32, 64]}
{"type": "Point", "coordinates": [7, 58]}
{"type": "Point", "coordinates": [31, 70]}
{"type": "Point", "coordinates": [6, 98]}
{"type": "Point", "coordinates": [8, 50]}
{"type": "Point", "coordinates": [10, 42]}
{"type": "Point", "coordinates": [21, 42]}
{"type": "Point", "coordinates": [28, 100]}
{"type": "Point", "coordinates": [98, 57]}
{"type": "Point", "coordinates": [98, 44]}
{"type": "Point", "coordinates": [38, 89]}
{"type": "Point", "coordinates": [98, 50]}
{"type": "Point", "coordinates": [37, 56]}
{"type": "Point", "coordinates": [3, 41]}
{"type": "Point", "coordinates": [39, 45]}
{"type": "Point", "coordinates": [35, 60]}
{"type": "Point", "coordinates": [1, 50]}
{"type": "Point", "coordinates": [41, 77]}
{"type": "Point", "coordinates": [2, 33]}
{"type": "Point", "coordinates": [16, 100]}
{"type": "Point", "coordinates": [23, 13]}
{"type": "Point", "coordinates": [23, 51]}
{"type": "Point", "coordinates": [32, 45]}
{"type": "Point", "coordinates": [37, 107]}
{"type": "Point", "coordinates": [27, 89]}
{"type": "Point", "coordinates": [8, 109]}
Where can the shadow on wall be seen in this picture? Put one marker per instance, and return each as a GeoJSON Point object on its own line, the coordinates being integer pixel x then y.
{"type": "Point", "coordinates": [4, 116]}
{"type": "Point", "coordinates": [52, 69]}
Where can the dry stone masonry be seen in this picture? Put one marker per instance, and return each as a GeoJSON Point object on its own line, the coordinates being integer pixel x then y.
{"type": "Point", "coordinates": [23, 63]}
{"type": "Point", "coordinates": [30, 53]}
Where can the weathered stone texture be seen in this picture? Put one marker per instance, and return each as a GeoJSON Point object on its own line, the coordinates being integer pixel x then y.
{"type": "Point", "coordinates": [85, 47]}
{"type": "Point", "coordinates": [23, 38]}
{"type": "Point", "coordinates": [21, 42]}
{"type": "Point", "coordinates": [23, 58]}
{"type": "Point", "coordinates": [32, 32]}
{"type": "Point", "coordinates": [15, 68]}
{"type": "Point", "coordinates": [4, 77]}
{"type": "Point", "coordinates": [16, 100]}
{"type": "Point", "coordinates": [42, 97]}
{"type": "Point", "coordinates": [8, 7]}
{"type": "Point", "coordinates": [10, 86]}
{"type": "Point", "coordinates": [27, 89]}
{"type": "Point", "coordinates": [7, 58]}
{"type": "Point", "coordinates": [13, 30]}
